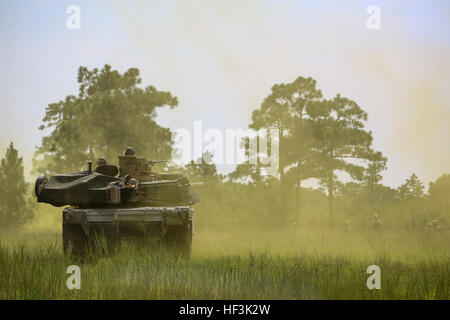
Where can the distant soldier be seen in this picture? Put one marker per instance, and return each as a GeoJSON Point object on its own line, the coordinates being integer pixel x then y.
{"type": "Point", "coordinates": [348, 227]}
{"type": "Point", "coordinates": [436, 225]}
{"type": "Point", "coordinates": [433, 226]}
{"type": "Point", "coordinates": [376, 222]}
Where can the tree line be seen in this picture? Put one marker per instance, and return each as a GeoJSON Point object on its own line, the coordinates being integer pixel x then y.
{"type": "Point", "coordinates": [319, 138]}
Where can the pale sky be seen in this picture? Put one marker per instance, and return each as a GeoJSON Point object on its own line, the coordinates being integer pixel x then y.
{"type": "Point", "coordinates": [220, 58]}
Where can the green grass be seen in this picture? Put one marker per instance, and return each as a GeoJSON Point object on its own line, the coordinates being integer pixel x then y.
{"type": "Point", "coordinates": [290, 264]}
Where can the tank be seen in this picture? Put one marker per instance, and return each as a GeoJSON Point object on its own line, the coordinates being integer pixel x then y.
{"type": "Point", "coordinates": [126, 202]}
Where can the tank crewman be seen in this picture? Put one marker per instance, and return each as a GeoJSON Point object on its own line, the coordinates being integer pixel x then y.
{"type": "Point", "coordinates": [433, 226]}
{"type": "Point", "coordinates": [436, 225]}
{"type": "Point", "coordinates": [376, 222]}
{"type": "Point", "coordinates": [100, 162]}
{"type": "Point", "coordinates": [348, 227]}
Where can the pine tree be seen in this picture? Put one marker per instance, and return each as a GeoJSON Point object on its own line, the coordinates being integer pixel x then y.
{"type": "Point", "coordinates": [205, 171]}
{"type": "Point", "coordinates": [412, 188]}
{"type": "Point", "coordinates": [14, 209]}
{"type": "Point", "coordinates": [112, 111]}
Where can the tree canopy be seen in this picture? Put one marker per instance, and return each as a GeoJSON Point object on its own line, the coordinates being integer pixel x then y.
{"type": "Point", "coordinates": [317, 137]}
{"type": "Point", "coordinates": [413, 188]}
{"type": "Point", "coordinates": [440, 189]}
{"type": "Point", "coordinates": [112, 111]}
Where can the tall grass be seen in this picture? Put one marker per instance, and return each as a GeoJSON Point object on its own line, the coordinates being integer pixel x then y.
{"type": "Point", "coordinates": [286, 264]}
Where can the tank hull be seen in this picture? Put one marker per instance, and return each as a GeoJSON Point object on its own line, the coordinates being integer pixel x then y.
{"type": "Point", "coordinates": [171, 226]}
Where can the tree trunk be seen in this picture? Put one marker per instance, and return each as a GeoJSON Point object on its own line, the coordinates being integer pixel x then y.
{"type": "Point", "coordinates": [297, 202]}
{"type": "Point", "coordinates": [283, 206]}
{"type": "Point", "coordinates": [331, 196]}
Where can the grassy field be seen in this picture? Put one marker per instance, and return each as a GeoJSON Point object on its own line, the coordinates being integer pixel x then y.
{"type": "Point", "coordinates": [286, 264]}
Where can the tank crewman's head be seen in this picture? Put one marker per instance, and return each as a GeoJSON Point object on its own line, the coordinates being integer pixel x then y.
{"type": "Point", "coordinates": [129, 151]}
{"type": "Point", "coordinates": [101, 162]}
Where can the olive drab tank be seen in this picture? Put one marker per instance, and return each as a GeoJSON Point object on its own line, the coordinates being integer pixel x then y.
{"type": "Point", "coordinates": [129, 201]}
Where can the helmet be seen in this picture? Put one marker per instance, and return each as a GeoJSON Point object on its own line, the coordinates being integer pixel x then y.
{"type": "Point", "coordinates": [133, 182]}
{"type": "Point", "coordinates": [101, 161]}
{"type": "Point", "coordinates": [129, 151]}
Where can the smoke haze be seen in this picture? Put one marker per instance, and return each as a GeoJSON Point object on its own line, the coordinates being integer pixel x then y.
{"type": "Point", "coordinates": [221, 59]}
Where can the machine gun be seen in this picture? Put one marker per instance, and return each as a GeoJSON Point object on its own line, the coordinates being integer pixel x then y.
{"type": "Point", "coordinates": [136, 166]}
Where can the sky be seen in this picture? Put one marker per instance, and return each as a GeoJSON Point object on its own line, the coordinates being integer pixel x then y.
{"type": "Point", "coordinates": [220, 58]}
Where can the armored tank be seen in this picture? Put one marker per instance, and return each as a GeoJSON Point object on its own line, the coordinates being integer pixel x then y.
{"type": "Point", "coordinates": [126, 202]}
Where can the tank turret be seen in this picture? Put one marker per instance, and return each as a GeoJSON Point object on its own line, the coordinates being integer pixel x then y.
{"type": "Point", "coordinates": [133, 180]}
